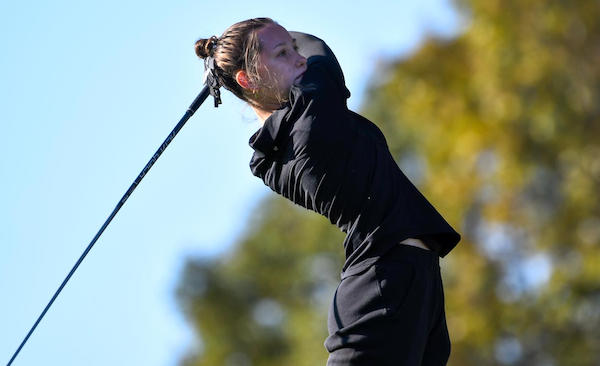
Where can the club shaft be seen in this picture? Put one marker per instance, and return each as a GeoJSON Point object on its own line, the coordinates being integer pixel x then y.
{"type": "Point", "coordinates": [189, 112]}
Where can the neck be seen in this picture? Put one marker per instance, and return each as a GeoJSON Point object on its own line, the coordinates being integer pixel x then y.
{"type": "Point", "coordinates": [262, 114]}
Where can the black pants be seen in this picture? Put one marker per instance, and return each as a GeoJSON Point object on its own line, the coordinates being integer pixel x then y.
{"type": "Point", "coordinates": [392, 314]}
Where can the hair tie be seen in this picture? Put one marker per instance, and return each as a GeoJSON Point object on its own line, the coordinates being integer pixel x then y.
{"type": "Point", "coordinates": [213, 41]}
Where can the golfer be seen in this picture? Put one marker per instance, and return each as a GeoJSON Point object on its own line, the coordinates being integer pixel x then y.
{"type": "Point", "coordinates": [389, 306]}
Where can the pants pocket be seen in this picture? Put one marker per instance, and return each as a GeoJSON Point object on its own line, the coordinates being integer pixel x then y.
{"type": "Point", "coordinates": [357, 296]}
{"type": "Point", "coordinates": [396, 283]}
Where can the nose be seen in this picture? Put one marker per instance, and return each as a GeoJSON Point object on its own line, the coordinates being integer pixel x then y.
{"type": "Point", "coordinates": [300, 60]}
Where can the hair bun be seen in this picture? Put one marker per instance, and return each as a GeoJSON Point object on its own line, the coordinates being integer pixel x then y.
{"type": "Point", "coordinates": [206, 47]}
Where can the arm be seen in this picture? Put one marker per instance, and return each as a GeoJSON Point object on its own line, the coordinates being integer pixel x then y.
{"type": "Point", "coordinates": [319, 54]}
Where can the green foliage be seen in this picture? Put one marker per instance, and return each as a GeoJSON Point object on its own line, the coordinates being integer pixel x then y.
{"type": "Point", "coordinates": [265, 303]}
{"type": "Point", "coordinates": [500, 129]}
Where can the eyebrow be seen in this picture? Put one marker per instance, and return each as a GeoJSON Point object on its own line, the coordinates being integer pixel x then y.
{"type": "Point", "coordinates": [284, 43]}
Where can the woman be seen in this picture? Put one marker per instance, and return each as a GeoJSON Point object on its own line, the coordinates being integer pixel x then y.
{"type": "Point", "coordinates": [389, 306]}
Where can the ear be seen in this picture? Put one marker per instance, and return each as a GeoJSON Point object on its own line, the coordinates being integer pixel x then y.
{"type": "Point", "coordinates": [242, 78]}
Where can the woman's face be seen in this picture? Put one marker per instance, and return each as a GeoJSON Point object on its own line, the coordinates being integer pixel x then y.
{"type": "Point", "coordinates": [280, 65]}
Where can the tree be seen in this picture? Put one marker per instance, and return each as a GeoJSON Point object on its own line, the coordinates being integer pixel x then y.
{"type": "Point", "coordinates": [265, 303]}
{"type": "Point", "coordinates": [500, 129]}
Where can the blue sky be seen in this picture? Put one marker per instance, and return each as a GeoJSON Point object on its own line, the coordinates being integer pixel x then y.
{"type": "Point", "coordinates": [88, 92]}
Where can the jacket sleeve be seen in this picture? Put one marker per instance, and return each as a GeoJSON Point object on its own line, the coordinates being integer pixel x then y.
{"type": "Point", "coordinates": [318, 54]}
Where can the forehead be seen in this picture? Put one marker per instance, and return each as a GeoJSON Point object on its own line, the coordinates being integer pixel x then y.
{"type": "Point", "coordinates": [273, 35]}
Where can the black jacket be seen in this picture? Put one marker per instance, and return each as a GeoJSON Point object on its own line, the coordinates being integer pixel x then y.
{"type": "Point", "coordinates": [326, 158]}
